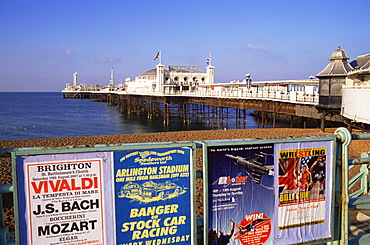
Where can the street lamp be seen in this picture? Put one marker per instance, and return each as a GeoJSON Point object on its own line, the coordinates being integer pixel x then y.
{"type": "Point", "coordinates": [248, 80]}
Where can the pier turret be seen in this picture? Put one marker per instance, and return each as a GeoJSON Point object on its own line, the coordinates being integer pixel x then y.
{"type": "Point", "coordinates": [211, 74]}
{"type": "Point", "coordinates": [75, 79]}
{"type": "Point", "coordinates": [331, 80]}
{"type": "Point", "coordinates": [111, 82]}
{"type": "Point", "coordinates": [160, 78]}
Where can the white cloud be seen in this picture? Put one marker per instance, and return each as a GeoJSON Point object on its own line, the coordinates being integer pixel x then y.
{"type": "Point", "coordinates": [68, 51]}
{"type": "Point", "coordinates": [257, 47]}
{"type": "Point", "coordinates": [108, 59]}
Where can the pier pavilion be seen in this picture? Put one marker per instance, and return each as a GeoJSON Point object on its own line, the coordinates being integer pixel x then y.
{"type": "Point", "coordinates": [356, 94]}
{"type": "Point", "coordinates": [173, 78]}
{"type": "Point", "coordinates": [345, 89]}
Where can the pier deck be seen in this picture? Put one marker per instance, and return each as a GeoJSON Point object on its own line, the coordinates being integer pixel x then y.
{"type": "Point", "coordinates": [214, 105]}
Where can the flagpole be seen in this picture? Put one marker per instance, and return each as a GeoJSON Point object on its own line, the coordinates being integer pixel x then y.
{"type": "Point", "coordinates": [209, 59]}
{"type": "Point", "coordinates": [160, 56]}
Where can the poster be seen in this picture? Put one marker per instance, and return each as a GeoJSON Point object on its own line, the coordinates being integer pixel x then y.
{"type": "Point", "coordinates": [241, 194]}
{"type": "Point", "coordinates": [304, 191]}
{"type": "Point", "coordinates": [153, 196]}
{"type": "Point", "coordinates": [62, 198]}
{"type": "Point", "coordinates": [278, 193]}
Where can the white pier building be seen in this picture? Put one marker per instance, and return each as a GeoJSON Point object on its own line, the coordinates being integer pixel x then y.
{"type": "Point", "coordinates": [171, 79]}
{"type": "Point", "coordinates": [356, 92]}
{"type": "Point", "coordinates": [345, 88]}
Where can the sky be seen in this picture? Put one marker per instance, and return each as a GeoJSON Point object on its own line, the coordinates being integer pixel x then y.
{"type": "Point", "coordinates": [43, 42]}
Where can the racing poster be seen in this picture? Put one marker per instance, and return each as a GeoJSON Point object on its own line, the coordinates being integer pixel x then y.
{"type": "Point", "coordinates": [240, 194]}
{"type": "Point", "coordinates": [153, 196]}
{"type": "Point", "coordinates": [303, 173]}
{"type": "Point", "coordinates": [62, 198]}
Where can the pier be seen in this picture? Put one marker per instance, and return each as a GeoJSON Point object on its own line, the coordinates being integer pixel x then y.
{"type": "Point", "coordinates": [220, 108]}
{"type": "Point", "coordinates": [338, 95]}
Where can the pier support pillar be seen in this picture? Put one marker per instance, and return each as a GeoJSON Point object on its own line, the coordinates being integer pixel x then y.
{"type": "Point", "coordinates": [349, 127]}
{"type": "Point", "coordinates": [166, 116]}
{"type": "Point", "coordinates": [322, 126]}
{"type": "Point", "coordinates": [129, 106]}
{"type": "Point", "coordinates": [150, 110]}
{"type": "Point", "coordinates": [244, 118]}
{"type": "Point", "coordinates": [291, 121]}
{"type": "Point", "coordinates": [213, 116]}
{"type": "Point", "coordinates": [188, 113]}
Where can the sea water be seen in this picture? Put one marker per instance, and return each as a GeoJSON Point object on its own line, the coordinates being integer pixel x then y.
{"type": "Point", "coordinates": [31, 115]}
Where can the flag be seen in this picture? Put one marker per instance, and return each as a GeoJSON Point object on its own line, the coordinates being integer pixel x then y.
{"type": "Point", "coordinates": [157, 56]}
{"type": "Point", "coordinates": [208, 59]}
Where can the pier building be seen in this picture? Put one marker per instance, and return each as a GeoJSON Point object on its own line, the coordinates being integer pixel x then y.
{"type": "Point", "coordinates": [331, 80]}
{"type": "Point", "coordinates": [356, 93]}
{"type": "Point", "coordinates": [344, 89]}
{"type": "Point", "coordinates": [171, 79]}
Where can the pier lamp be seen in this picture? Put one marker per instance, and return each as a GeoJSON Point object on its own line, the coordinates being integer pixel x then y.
{"type": "Point", "coordinates": [248, 80]}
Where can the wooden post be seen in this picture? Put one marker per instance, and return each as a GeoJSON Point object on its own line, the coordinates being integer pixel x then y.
{"type": "Point", "coordinates": [322, 122]}
{"type": "Point", "coordinates": [129, 106]}
{"type": "Point", "coordinates": [244, 118]}
{"type": "Point", "coordinates": [291, 121]}
{"type": "Point", "coordinates": [166, 117]}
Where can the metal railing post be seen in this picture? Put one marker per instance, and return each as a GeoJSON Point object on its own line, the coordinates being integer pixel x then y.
{"type": "Point", "coordinates": [4, 233]}
{"type": "Point", "coordinates": [344, 137]}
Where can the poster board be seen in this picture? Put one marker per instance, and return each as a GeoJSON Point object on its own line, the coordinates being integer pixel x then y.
{"type": "Point", "coordinates": [61, 198]}
{"type": "Point", "coordinates": [153, 196]}
{"type": "Point", "coordinates": [259, 191]}
{"type": "Point", "coordinates": [79, 196]}
{"type": "Point", "coordinates": [304, 191]}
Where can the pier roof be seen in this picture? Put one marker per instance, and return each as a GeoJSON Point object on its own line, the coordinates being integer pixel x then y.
{"type": "Point", "coordinates": [361, 62]}
{"type": "Point", "coordinates": [149, 72]}
{"type": "Point", "coordinates": [153, 72]}
{"type": "Point", "coordinates": [339, 54]}
{"type": "Point", "coordinates": [338, 65]}
{"type": "Point", "coordinates": [361, 66]}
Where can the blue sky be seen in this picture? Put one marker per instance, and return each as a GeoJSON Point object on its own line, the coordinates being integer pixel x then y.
{"type": "Point", "coordinates": [42, 43]}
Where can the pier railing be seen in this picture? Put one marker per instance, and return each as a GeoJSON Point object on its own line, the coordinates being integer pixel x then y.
{"type": "Point", "coordinates": [292, 97]}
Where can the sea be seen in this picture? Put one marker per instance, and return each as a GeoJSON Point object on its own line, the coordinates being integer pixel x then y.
{"type": "Point", "coordinates": [33, 115]}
